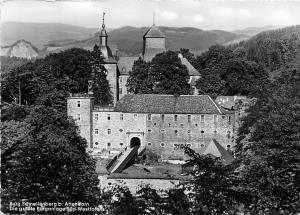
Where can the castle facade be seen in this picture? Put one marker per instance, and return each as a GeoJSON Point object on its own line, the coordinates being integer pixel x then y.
{"type": "Point", "coordinates": [162, 123]}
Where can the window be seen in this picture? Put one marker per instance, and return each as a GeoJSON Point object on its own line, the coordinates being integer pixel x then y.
{"type": "Point", "coordinates": [96, 131]}
{"type": "Point", "coordinates": [121, 144]}
{"type": "Point", "coordinates": [149, 144]}
{"type": "Point", "coordinates": [78, 116]}
{"type": "Point", "coordinates": [215, 118]}
{"type": "Point", "coordinates": [121, 116]}
{"type": "Point", "coordinates": [202, 132]}
{"type": "Point", "coordinates": [149, 116]}
{"type": "Point", "coordinates": [120, 91]}
{"type": "Point", "coordinates": [108, 116]}
{"type": "Point", "coordinates": [189, 131]}
{"type": "Point", "coordinates": [189, 118]}
{"type": "Point", "coordinates": [175, 118]}
{"type": "Point", "coordinates": [229, 119]}
{"type": "Point", "coordinates": [223, 117]}
{"type": "Point", "coordinates": [96, 143]}
{"type": "Point", "coordinates": [135, 115]}
{"type": "Point", "coordinates": [169, 124]}
{"type": "Point", "coordinates": [176, 132]}
{"type": "Point", "coordinates": [96, 116]}
{"type": "Point", "coordinates": [121, 130]}
{"type": "Point", "coordinates": [181, 125]}
{"type": "Point", "coordinates": [162, 144]}
{"type": "Point", "coordinates": [149, 130]}
{"type": "Point", "coordinates": [202, 145]}
{"type": "Point", "coordinates": [108, 144]}
{"type": "Point", "coordinates": [196, 125]}
{"type": "Point", "coordinates": [108, 131]}
{"type": "Point", "coordinates": [202, 118]}
{"type": "Point", "coordinates": [162, 117]}
{"type": "Point", "coordinates": [162, 130]}
{"type": "Point", "coordinates": [120, 79]}
{"type": "Point", "coordinates": [78, 103]}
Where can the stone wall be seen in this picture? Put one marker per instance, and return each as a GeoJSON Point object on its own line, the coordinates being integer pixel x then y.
{"type": "Point", "coordinates": [122, 85]}
{"type": "Point", "coordinates": [165, 134]}
{"type": "Point", "coordinates": [113, 80]}
{"type": "Point", "coordinates": [123, 127]}
{"type": "Point", "coordinates": [80, 108]}
{"type": "Point", "coordinates": [155, 43]}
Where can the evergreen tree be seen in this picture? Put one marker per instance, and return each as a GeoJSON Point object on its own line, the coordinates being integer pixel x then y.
{"type": "Point", "coordinates": [100, 86]}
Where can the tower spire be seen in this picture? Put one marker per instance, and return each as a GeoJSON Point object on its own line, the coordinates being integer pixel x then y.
{"type": "Point", "coordinates": [103, 25]}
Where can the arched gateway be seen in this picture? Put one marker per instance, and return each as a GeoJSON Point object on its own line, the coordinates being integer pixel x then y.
{"type": "Point", "coordinates": [135, 141]}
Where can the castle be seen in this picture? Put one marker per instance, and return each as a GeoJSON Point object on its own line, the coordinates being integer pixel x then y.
{"type": "Point", "coordinates": [161, 123]}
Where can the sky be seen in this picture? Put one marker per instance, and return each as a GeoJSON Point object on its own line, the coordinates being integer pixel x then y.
{"type": "Point", "coordinates": [207, 15]}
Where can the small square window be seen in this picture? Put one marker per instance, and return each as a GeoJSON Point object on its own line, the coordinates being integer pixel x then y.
{"type": "Point", "coordinates": [108, 144]}
{"type": "Point", "coordinates": [175, 118]}
{"type": "Point", "coordinates": [215, 118]}
{"type": "Point", "coordinates": [149, 144]}
{"type": "Point", "coordinates": [149, 130]}
{"type": "Point", "coordinates": [202, 118]}
{"type": "Point", "coordinates": [176, 132]}
{"type": "Point", "coordinates": [163, 145]}
{"type": "Point", "coordinates": [121, 130]}
{"type": "Point", "coordinates": [96, 131]}
{"type": "Point", "coordinates": [78, 103]}
{"type": "Point", "coordinates": [121, 144]}
{"type": "Point", "coordinates": [162, 130]}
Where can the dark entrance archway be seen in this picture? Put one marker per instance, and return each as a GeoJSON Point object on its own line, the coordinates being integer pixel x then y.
{"type": "Point", "coordinates": [135, 141]}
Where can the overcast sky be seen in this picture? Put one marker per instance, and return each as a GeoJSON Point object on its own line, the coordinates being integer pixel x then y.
{"type": "Point", "coordinates": [226, 15]}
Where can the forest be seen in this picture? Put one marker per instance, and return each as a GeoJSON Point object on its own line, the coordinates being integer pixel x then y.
{"type": "Point", "coordinates": [43, 158]}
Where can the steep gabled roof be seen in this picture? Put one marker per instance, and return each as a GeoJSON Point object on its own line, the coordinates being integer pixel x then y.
{"type": "Point", "coordinates": [164, 104]}
{"type": "Point", "coordinates": [154, 31]}
{"type": "Point", "coordinates": [215, 149]}
{"type": "Point", "coordinates": [125, 64]}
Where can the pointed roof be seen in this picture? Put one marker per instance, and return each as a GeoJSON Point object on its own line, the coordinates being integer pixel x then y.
{"type": "Point", "coordinates": [154, 32]}
{"type": "Point", "coordinates": [217, 150]}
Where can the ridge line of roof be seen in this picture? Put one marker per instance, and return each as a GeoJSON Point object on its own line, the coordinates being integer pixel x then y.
{"type": "Point", "coordinates": [215, 104]}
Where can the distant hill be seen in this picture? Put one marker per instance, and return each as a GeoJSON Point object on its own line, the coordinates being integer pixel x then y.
{"type": "Point", "coordinates": [251, 31]}
{"type": "Point", "coordinates": [41, 33]}
{"type": "Point", "coordinates": [20, 49]}
{"type": "Point", "coordinates": [129, 40]}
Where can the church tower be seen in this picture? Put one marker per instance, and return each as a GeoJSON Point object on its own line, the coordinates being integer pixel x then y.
{"type": "Point", "coordinates": [154, 42]}
{"type": "Point", "coordinates": [110, 62]}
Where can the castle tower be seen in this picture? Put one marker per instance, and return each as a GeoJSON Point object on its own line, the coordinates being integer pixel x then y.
{"type": "Point", "coordinates": [154, 42]}
{"type": "Point", "coordinates": [79, 107]}
{"type": "Point", "coordinates": [110, 63]}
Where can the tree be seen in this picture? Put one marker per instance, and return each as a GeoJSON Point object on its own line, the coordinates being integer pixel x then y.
{"type": "Point", "coordinates": [138, 81]}
{"type": "Point", "coordinates": [168, 75]}
{"type": "Point", "coordinates": [268, 147]}
{"type": "Point", "coordinates": [100, 86]}
{"type": "Point", "coordinates": [164, 75]}
{"type": "Point", "coordinates": [211, 65]}
{"type": "Point", "coordinates": [45, 160]}
{"type": "Point", "coordinates": [245, 78]}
